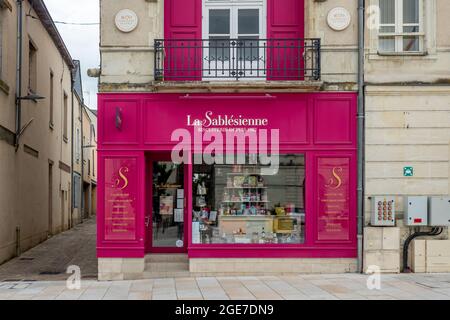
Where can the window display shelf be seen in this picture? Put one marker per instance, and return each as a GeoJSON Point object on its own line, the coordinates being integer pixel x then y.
{"type": "Point", "coordinates": [245, 201]}
{"type": "Point", "coordinates": [245, 187]}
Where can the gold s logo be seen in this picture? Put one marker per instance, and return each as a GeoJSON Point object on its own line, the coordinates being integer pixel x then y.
{"type": "Point", "coordinates": [335, 183]}
{"type": "Point", "coordinates": [122, 178]}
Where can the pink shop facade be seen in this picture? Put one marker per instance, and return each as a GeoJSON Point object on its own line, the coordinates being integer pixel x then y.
{"type": "Point", "coordinates": [291, 193]}
{"type": "Point", "coordinates": [233, 174]}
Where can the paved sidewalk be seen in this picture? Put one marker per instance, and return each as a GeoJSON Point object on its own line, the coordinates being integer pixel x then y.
{"type": "Point", "coordinates": [50, 259]}
{"type": "Point", "coordinates": [295, 287]}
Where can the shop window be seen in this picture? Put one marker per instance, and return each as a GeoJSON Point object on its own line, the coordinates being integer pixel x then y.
{"type": "Point", "coordinates": [401, 27]}
{"type": "Point", "coordinates": [242, 204]}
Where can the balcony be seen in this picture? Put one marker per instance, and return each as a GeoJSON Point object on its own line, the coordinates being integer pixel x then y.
{"type": "Point", "coordinates": [248, 59]}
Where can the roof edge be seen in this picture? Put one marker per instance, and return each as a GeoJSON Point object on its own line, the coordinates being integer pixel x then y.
{"type": "Point", "coordinates": [47, 21]}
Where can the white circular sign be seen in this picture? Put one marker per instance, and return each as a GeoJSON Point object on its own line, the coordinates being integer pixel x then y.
{"type": "Point", "coordinates": [126, 20]}
{"type": "Point", "coordinates": [180, 244]}
{"type": "Point", "coordinates": [339, 18]}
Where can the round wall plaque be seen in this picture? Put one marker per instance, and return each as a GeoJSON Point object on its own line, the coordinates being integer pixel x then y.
{"type": "Point", "coordinates": [126, 20]}
{"type": "Point", "coordinates": [339, 18]}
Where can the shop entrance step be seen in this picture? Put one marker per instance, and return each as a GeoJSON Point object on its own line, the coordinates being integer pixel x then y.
{"type": "Point", "coordinates": [166, 265]}
{"type": "Point", "coordinates": [151, 258]}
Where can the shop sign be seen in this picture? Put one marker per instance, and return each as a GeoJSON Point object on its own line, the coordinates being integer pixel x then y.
{"type": "Point", "coordinates": [126, 20]}
{"type": "Point", "coordinates": [212, 120]}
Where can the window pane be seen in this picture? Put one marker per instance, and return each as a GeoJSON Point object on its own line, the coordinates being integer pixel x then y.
{"type": "Point", "coordinates": [219, 21]}
{"type": "Point", "coordinates": [248, 48]}
{"type": "Point", "coordinates": [387, 29]}
{"type": "Point", "coordinates": [219, 49]}
{"type": "Point", "coordinates": [237, 204]}
{"type": "Point", "coordinates": [248, 21]}
{"type": "Point", "coordinates": [387, 11]}
{"type": "Point", "coordinates": [410, 44]}
{"type": "Point", "coordinates": [387, 44]}
{"type": "Point", "coordinates": [410, 11]}
{"type": "Point", "coordinates": [410, 29]}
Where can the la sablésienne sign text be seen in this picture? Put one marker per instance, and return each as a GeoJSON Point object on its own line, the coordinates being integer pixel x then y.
{"type": "Point", "coordinates": [212, 120]}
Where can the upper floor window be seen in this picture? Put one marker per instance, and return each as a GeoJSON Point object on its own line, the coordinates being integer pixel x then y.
{"type": "Point", "coordinates": [51, 98]}
{"type": "Point", "coordinates": [233, 29]}
{"type": "Point", "coordinates": [65, 117]}
{"type": "Point", "coordinates": [401, 26]}
{"type": "Point", "coordinates": [1, 43]}
{"type": "Point", "coordinates": [32, 67]}
{"type": "Point", "coordinates": [77, 146]}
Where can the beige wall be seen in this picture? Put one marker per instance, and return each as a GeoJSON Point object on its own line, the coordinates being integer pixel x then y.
{"type": "Point", "coordinates": [77, 155]}
{"type": "Point", "coordinates": [24, 187]}
{"type": "Point", "coordinates": [408, 115]}
{"type": "Point", "coordinates": [127, 58]}
{"type": "Point", "coordinates": [89, 162]}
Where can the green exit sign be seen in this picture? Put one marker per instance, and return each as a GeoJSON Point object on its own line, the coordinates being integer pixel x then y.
{"type": "Point", "coordinates": [408, 171]}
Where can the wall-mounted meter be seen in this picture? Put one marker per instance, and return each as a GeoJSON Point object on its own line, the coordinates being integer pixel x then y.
{"type": "Point", "coordinates": [383, 211]}
{"type": "Point", "coordinates": [439, 211]}
{"type": "Point", "coordinates": [416, 211]}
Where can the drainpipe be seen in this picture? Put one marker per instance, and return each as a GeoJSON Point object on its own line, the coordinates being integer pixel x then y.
{"type": "Point", "coordinates": [82, 160]}
{"type": "Point", "coordinates": [19, 72]}
{"type": "Point", "coordinates": [361, 131]}
{"type": "Point", "coordinates": [72, 196]}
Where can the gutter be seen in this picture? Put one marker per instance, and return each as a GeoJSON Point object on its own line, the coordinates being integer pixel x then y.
{"type": "Point", "coordinates": [361, 131]}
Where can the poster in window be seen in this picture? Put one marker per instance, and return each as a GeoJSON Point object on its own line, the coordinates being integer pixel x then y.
{"type": "Point", "coordinates": [334, 199]}
{"type": "Point", "coordinates": [120, 199]}
{"type": "Point", "coordinates": [166, 205]}
{"type": "Point", "coordinates": [179, 215]}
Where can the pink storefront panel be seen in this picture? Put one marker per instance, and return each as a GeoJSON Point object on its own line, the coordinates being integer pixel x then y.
{"type": "Point", "coordinates": [321, 126]}
{"type": "Point", "coordinates": [120, 227]}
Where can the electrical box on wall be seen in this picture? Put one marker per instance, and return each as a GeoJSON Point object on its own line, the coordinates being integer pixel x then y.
{"type": "Point", "coordinates": [416, 211]}
{"type": "Point", "coordinates": [439, 211]}
{"type": "Point", "coordinates": [383, 211]}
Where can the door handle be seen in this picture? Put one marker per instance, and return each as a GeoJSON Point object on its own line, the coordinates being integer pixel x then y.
{"type": "Point", "coordinates": [147, 221]}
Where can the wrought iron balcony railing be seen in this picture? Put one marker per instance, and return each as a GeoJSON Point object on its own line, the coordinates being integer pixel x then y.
{"type": "Point", "coordinates": [237, 59]}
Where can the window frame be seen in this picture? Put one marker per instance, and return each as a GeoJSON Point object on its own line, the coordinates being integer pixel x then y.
{"type": "Point", "coordinates": [65, 124]}
{"type": "Point", "coordinates": [234, 6]}
{"type": "Point", "coordinates": [52, 100]}
{"type": "Point", "coordinates": [398, 34]}
{"type": "Point", "coordinates": [32, 66]}
{"type": "Point", "coordinates": [1, 43]}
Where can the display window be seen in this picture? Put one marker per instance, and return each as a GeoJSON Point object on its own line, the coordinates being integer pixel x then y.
{"type": "Point", "coordinates": [245, 204]}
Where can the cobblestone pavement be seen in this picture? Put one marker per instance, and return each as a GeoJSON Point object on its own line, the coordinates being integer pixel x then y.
{"type": "Point", "coordinates": [50, 259]}
{"type": "Point", "coordinates": [297, 287]}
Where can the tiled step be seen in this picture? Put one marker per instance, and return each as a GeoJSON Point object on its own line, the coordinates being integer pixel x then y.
{"type": "Point", "coordinates": [156, 258]}
{"type": "Point", "coordinates": [166, 266]}
{"type": "Point", "coordinates": [158, 275]}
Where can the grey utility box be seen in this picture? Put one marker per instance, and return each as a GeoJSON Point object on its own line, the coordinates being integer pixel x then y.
{"type": "Point", "coordinates": [416, 211]}
{"type": "Point", "coordinates": [439, 211]}
{"type": "Point", "coordinates": [383, 211]}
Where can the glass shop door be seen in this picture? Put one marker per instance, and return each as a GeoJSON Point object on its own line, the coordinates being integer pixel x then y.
{"type": "Point", "coordinates": [166, 218]}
